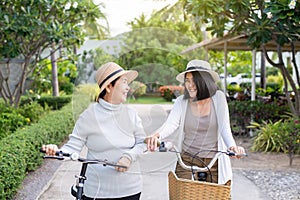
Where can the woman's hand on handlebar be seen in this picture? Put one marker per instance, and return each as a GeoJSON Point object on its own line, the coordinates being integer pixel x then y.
{"type": "Point", "coordinates": [50, 149]}
{"type": "Point", "coordinates": [238, 150]}
{"type": "Point", "coordinates": [124, 161]}
{"type": "Point", "coordinates": [152, 142]}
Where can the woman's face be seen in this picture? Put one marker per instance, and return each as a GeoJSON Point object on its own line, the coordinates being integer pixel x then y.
{"type": "Point", "coordinates": [119, 91]}
{"type": "Point", "coordinates": [190, 85]}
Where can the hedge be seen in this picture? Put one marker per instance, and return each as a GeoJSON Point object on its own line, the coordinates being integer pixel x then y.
{"type": "Point", "coordinates": [20, 154]}
{"type": "Point", "coordinates": [241, 112]}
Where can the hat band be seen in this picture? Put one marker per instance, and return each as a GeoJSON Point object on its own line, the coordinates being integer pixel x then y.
{"type": "Point", "coordinates": [109, 76]}
{"type": "Point", "coordinates": [196, 67]}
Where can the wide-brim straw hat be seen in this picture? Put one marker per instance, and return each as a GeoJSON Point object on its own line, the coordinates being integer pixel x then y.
{"type": "Point", "coordinates": [109, 72]}
{"type": "Point", "coordinates": [198, 65]}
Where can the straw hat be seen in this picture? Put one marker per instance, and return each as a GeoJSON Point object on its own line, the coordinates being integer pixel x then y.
{"type": "Point", "coordinates": [110, 71]}
{"type": "Point", "coordinates": [198, 65]}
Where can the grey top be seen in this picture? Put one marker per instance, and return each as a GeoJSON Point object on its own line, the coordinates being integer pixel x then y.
{"type": "Point", "coordinates": [200, 133]}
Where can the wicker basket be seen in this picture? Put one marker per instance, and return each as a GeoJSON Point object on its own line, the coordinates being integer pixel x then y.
{"type": "Point", "coordinates": [183, 189]}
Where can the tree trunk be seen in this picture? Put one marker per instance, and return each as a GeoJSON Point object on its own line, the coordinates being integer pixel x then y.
{"type": "Point", "coordinates": [55, 89]}
{"type": "Point", "coordinates": [288, 81]}
{"type": "Point", "coordinates": [12, 86]}
{"type": "Point", "coordinates": [263, 71]}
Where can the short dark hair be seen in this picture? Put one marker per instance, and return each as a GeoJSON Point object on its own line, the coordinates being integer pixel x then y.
{"type": "Point", "coordinates": [206, 86]}
{"type": "Point", "coordinates": [103, 93]}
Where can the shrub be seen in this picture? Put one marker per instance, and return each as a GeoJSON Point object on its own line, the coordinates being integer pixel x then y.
{"type": "Point", "coordinates": [32, 111]}
{"type": "Point", "coordinates": [278, 79]}
{"type": "Point", "coordinates": [12, 167]}
{"type": "Point", "coordinates": [137, 89]}
{"type": "Point", "coordinates": [291, 136]}
{"type": "Point", "coordinates": [170, 92]}
{"type": "Point", "coordinates": [280, 136]}
{"type": "Point", "coordinates": [89, 91]}
{"type": "Point", "coordinates": [55, 103]}
{"type": "Point", "coordinates": [67, 87]}
{"type": "Point", "coordinates": [12, 118]}
{"type": "Point", "coordinates": [9, 122]}
{"type": "Point", "coordinates": [232, 89]}
{"type": "Point", "coordinates": [19, 152]}
{"type": "Point", "coordinates": [242, 111]}
{"type": "Point", "coordinates": [268, 136]}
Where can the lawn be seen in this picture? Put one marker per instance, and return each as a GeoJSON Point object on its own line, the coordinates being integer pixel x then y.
{"type": "Point", "coordinates": [148, 100]}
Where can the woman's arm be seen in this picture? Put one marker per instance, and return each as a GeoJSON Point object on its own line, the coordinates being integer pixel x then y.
{"type": "Point", "coordinates": [139, 135]}
{"type": "Point", "coordinates": [75, 142]}
{"type": "Point", "coordinates": [172, 123]}
{"type": "Point", "coordinates": [85, 124]}
{"type": "Point", "coordinates": [224, 120]}
{"type": "Point", "coordinates": [225, 129]}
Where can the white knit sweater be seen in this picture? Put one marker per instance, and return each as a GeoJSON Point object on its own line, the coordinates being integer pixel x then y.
{"type": "Point", "coordinates": [109, 131]}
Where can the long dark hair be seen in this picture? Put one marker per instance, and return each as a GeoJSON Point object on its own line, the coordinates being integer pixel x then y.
{"type": "Point", "coordinates": [206, 87]}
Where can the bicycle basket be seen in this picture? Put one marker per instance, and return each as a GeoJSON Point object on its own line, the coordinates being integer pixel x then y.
{"type": "Point", "coordinates": [195, 190]}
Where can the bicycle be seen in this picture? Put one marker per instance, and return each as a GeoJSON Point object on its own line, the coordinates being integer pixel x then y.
{"type": "Point", "coordinates": [77, 189]}
{"type": "Point", "coordinates": [180, 188]}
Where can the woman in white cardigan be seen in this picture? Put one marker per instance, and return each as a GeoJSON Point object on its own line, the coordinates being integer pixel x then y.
{"type": "Point", "coordinates": [201, 118]}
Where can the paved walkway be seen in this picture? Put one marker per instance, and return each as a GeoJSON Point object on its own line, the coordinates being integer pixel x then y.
{"type": "Point", "coordinates": [154, 175]}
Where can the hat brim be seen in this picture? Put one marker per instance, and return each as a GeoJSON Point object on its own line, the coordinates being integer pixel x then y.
{"type": "Point", "coordinates": [214, 75]}
{"type": "Point", "coordinates": [130, 75]}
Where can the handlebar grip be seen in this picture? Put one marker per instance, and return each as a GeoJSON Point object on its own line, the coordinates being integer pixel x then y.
{"type": "Point", "coordinates": [58, 153]}
{"type": "Point", "coordinates": [162, 147]}
{"type": "Point", "coordinates": [230, 153]}
{"type": "Point", "coordinates": [42, 151]}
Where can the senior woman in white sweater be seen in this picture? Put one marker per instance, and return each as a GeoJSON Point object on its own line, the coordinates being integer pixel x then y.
{"type": "Point", "coordinates": [110, 130]}
{"type": "Point", "coordinates": [201, 118]}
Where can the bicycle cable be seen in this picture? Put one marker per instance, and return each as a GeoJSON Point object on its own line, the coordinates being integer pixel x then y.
{"type": "Point", "coordinates": [200, 160]}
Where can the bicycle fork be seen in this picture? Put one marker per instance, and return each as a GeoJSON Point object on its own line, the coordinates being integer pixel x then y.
{"type": "Point", "coordinates": [80, 182]}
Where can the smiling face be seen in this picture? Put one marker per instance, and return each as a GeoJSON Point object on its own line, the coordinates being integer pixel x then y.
{"type": "Point", "coordinates": [190, 85]}
{"type": "Point", "coordinates": [118, 93]}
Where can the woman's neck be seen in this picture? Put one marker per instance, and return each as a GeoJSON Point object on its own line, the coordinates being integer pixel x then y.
{"type": "Point", "coordinates": [201, 107]}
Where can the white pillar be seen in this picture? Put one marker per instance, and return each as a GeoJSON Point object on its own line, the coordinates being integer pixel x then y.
{"type": "Point", "coordinates": [253, 75]}
{"type": "Point", "coordinates": [225, 67]}
{"type": "Point", "coordinates": [253, 84]}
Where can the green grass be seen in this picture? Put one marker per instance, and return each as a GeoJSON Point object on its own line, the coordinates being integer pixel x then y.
{"type": "Point", "coordinates": [149, 100]}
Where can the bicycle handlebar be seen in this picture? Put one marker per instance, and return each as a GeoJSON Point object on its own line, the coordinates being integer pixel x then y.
{"type": "Point", "coordinates": [60, 155]}
{"type": "Point", "coordinates": [163, 147]}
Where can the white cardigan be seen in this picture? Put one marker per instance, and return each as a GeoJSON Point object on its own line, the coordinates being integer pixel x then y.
{"type": "Point", "coordinates": [175, 123]}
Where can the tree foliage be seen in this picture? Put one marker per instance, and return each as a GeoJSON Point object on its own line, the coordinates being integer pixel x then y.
{"type": "Point", "coordinates": [155, 43]}
{"type": "Point", "coordinates": [29, 28]}
{"type": "Point", "coordinates": [263, 22]}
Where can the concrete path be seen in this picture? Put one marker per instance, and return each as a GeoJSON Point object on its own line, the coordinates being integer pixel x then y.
{"type": "Point", "coordinates": [155, 167]}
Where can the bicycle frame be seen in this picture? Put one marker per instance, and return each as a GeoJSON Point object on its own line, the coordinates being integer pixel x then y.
{"type": "Point", "coordinates": [77, 189]}
{"type": "Point", "coordinates": [79, 186]}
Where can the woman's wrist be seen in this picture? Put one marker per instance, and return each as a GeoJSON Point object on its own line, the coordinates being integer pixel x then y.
{"type": "Point", "coordinates": [156, 135]}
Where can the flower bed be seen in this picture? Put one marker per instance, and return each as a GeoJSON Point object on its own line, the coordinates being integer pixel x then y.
{"type": "Point", "coordinates": [170, 92]}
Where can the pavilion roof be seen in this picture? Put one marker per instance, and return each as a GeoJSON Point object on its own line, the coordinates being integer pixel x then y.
{"type": "Point", "coordinates": [234, 43]}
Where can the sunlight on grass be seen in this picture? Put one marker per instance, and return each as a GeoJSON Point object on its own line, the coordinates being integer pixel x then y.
{"type": "Point", "coordinates": [148, 100]}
